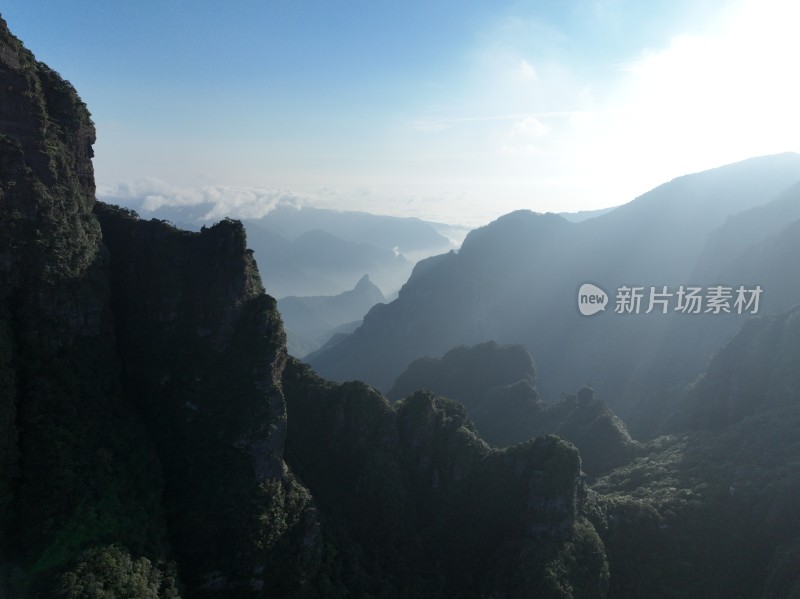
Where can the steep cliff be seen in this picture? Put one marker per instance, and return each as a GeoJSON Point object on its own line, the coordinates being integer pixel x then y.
{"type": "Point", "coordinates": [68, 480]}
{"type": "Point", "coordinates": [106, 435]}
{"type": "Point", "coordinates": [202, 350]}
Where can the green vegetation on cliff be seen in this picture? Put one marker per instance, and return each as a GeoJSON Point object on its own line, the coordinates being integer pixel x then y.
{"type": "Point", "coordinates": [77, 470]}
{"type": "Point", "coordinates": [412, 488]}
{"type": "Point", "coordinates": [712, 511]}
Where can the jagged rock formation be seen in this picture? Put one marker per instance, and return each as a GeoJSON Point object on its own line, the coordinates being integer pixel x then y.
{"type": "Point", "coordinates": [497, 386]}
{"type": "Point", "coordinates": [307, 251]}
{"type": "Point", "coordinates": [412, 488]}
{"type": "Point", "coordinates": [126, 375]}
{"type": "Point", "coordinates": [202, 351]}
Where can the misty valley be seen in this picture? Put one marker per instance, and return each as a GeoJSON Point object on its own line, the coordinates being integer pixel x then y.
{"type": "Point", "coordinates": [319, 403]}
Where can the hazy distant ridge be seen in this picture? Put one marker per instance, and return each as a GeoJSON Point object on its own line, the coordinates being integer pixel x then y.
{"type": "Point", "coordinates": [515, 281]}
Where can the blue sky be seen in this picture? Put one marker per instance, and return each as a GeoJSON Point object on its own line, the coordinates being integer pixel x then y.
{"type": "Point", "coordinates": [452, 110]}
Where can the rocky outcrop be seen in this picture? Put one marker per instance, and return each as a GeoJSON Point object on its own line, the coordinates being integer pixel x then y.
{"type": "Point", "coordinates": [51, 243]}
{"type": "Point", "coordinates": [202, 350]}
{"type": "Point", "coordinates": [496, 385]}
{"type": "Point", "coordinates": [412, 488]}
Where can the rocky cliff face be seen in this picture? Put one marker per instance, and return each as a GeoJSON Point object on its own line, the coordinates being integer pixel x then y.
{"type": "Point", "coordinates": [51, 243]}
{"type": "Point", "coordinates": [140, 400]}
{"type": "Point", "coordinates": [202, 351]}
{"type": "Point", "coordinates": [54, 318]}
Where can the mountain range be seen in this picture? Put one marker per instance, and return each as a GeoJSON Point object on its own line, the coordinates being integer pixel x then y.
{"type": "Point", "coordinates": [157, 439]}
{"type": "Point", "coordinates": [515, 281]}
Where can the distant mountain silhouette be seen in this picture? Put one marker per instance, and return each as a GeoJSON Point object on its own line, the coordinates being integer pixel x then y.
{"type": "Point", "coordinates": [319, 263]}
{"type": "Point", "coordinates": [516, 281]}
{"type": "Point", "coordinates": [310, 321]}
{"type": "Point", "coordinates": [392, 233]}
{"type": "Point", "coordinates": [582, 215]}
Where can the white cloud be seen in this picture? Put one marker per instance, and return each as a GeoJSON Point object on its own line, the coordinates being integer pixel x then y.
{"type": "Point", "coordinates": [526, 72]}
{"type": "Point", "coordinates": [592, 137]}
{"type": "Point", "coordinates": [154, 192]}
{"type": "Point", "coordinates": [150, 194]}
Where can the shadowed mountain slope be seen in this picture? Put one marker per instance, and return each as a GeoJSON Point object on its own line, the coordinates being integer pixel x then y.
{"type": "Point", "coordinates": [516, 281]}
{"type": "Point", "coordinates": [711, 510]}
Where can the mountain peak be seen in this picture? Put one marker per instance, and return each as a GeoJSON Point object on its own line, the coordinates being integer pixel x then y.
{"type": "Point", "coordinates": [366, 288]}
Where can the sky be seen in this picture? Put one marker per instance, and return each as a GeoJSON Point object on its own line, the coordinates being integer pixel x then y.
{"type": "Point", "coordinates": [452, 110]}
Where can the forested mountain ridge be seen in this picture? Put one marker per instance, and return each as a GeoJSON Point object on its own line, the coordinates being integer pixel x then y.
{"type": "Point", "coordinates": [145, 449]}
{"type": "Point", "coordinates": [711, 509]}
{"type": "Point", "coordinates": [425, 502]}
